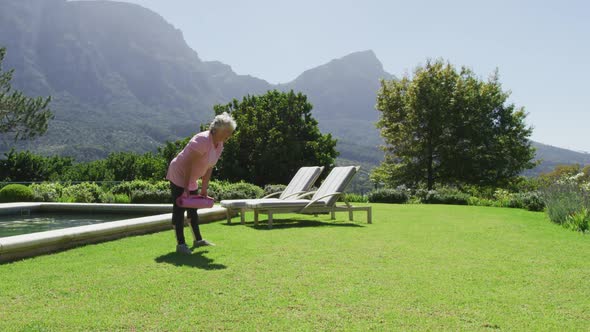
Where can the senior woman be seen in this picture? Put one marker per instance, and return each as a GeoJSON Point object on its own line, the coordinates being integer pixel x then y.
{"type": "Point", "coordinates": [196, 161]}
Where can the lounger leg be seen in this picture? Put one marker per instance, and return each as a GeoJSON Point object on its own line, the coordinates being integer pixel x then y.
{"type": "Point", "coordinates": [269, 219]}
{"type": "Point", "coordinates": [255, 217]}
{"type": "Point", "coordinates": [332, 214]}
{"type": "Point", "coordinates": [370, 215]}
{"type": "Point", "coordinates": [350, 215]}
{"type": "Point", "coordinates": [228, 213]}
{"type": "Point", "coordinates": [242, 216]}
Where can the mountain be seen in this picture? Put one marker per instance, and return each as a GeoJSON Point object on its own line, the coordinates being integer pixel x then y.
{"type": "Point", "coordinates": [552, 156]}
{"type": "Point", "coordinates": [344, 92]}
{"type": "Point", "coordinates": [123, 79]}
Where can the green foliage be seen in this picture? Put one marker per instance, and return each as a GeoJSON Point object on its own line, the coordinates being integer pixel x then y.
{"type": "Point", "coordinates": [354, 198]}
{"type": "Point", "coordinates": [46, 191]}
{"type": "Point", "coordinates": [578, 221]}
{"type": "Point", "coordinates": [240, 190]}
{"type": "Point", "coordinates": [563, 199]}
{"type": "Point", "coordinates": [21, 116]}
{"type": "Point", "coordinates": [577, 174]}
{"type": "Point", "coordinates": [446, 195]}
{"type": "Point", "coordinates": [106, 197]}
{"type": "Point", "coordinates": [128, 166]}
{"type": "Point", "coordinates": [26, 166]}
{"type": "Point", "coordinates": [447, 127]}
{"type": "Point", "coordinates": [276, 135]}
{"type": "Point", "coordinates": [273, 188]}
{"type": "Point", "coordinates": [531, 201]}
{"type": "Point", "coordinates": [84, 192]}
{"type": "Point", "coordinates": [16, 193]}
{"type": "Point", "coordinates": [128, 187]}
{"type": "Point", "coordinates": [387, 195]}
{"type": "Point", "coordinates": [154, 196]}
{"type": "Point", "coordinates": [122, 199]}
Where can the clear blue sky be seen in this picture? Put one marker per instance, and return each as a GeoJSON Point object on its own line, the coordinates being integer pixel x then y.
{"type": "Point", "coordinates": [541, 48]}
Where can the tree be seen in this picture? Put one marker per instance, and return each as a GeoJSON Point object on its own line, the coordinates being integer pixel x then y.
{"type": "Point", "coordinates": [276, 135]}
{"type": "Point", "coordinates": [21, 116]}
{"type": "Point", "coordinates": [449, 127]}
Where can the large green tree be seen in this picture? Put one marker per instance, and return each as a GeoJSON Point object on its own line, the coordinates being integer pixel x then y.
{"type": "Point", "coordinates": [276, 135]}
{"type": "Point", "coordinates": [20, 116]}
{"type": "Point", "coordinates": [448, 126]}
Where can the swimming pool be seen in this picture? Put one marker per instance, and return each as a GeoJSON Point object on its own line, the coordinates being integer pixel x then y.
{"type": "Point", "coordinates": [32, 222]}
{"type": "Point", "coordinates": [99, 222]}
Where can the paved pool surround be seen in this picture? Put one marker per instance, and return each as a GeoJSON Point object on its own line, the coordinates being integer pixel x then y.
{"type": "Point", "coordinates": [28, 245]}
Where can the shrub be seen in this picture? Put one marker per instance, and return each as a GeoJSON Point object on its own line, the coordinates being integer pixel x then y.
{"type": "Point", "coordinates": [387, 195]}
{"type": "Point", "coordinates": [531, 201]}
{"type": "Point", "coordinates": [162, 185]}
{"type": "Point", "coordinates": [106, 197]}
{"type": "Point", "coordinates": [578, 221]}
{"type": "Point", "coordinates": [151, 196]}
{"type": "Point", "coordinates": [46, 191]}
{"type": "Point", "coordinates": [128, 187]}
{"type": "Point", "coordinates": [354, 198]}
{"type": "Point", "coordinates": [564, 199]}
{"type": "Point", "coordinates": [446, 195]}
{"type": "Point", "coordinates": [273, 188]}
{"type": "Point", "coordinates": [122, 199]}
{"type": "Point", "coordinates": [16, 193]}
{"type": "Point", "coordinates": [85, 192]}
{"type": "Point", "coordinates": [480, 201]}
{"type": "Point", "coordinates": [240, 190]}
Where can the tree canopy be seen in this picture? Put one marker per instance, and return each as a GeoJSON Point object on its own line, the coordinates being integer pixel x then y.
{"type": "Point", "coordinates": [444, 126]}
{"type": "Point", "coordinates": [20, 116]}
{"type": "Point", "coordinates": [276, 135]}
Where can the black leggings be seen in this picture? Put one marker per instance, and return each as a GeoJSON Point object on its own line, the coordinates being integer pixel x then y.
{"type": "Point", "coordinates": [178, 216]}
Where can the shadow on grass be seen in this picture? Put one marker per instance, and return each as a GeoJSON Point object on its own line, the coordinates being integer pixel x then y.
{"type": "Point", "coordinates": [196, 259]}
{"type": "Point", "coordinates": [293, 223]}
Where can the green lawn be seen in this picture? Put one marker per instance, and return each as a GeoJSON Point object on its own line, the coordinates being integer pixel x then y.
{"type": "Point", "coordinates": [418, 267]}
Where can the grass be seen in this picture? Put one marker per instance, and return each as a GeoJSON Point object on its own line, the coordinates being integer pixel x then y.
{"type": "Point", "coordinates": [418, 267]}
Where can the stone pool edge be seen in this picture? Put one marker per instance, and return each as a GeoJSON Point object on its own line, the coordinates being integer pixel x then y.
{"type": "Point", "coordinates": [29, 245]}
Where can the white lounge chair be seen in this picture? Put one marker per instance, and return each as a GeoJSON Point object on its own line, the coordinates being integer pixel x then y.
{"type": "Point", "coordinates": [301, 182]}
{"type": "Point", "coordinates": [323, 200]}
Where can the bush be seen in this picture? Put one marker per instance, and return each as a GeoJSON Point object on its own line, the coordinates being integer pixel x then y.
{"type": "Point", "coordinates": [273, 188]}
{"type": "Point", "coordinates": [531, 201]}
{"type": "Point", "coordinates": [16, 193]}
{"type": "Point", "coordinates": [578, 221]}
{"type": "Point", "coordinates": [480, 201]}
{"type": "Point", "coordinates": [128, 187]}
{"type": "Point", "coordinates": [354, 198]}
{"type": "Point", "coordinates": [107, 197]}
{"type": "Point", "coordinates": [446, 195]}
{"type": "Point", "coordinates": [240, 190]}
{"type": "Point", "coordinates": [85, 192]}
{"type": "Point", "coordinates": [386, 195]}
{"type": "Point", "coordinates": [46, 191]}
{"type": "Point", "coordinates": [151, 196]}
{"type": "Point", "coordinates": [122, 199]}
{"type": "Point", "coordinates": [563, 200]}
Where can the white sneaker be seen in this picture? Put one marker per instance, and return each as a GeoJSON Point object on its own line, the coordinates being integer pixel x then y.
{"type": "Point", "coordinates": [203, 243]}
{"type": "Point", "coordinates": [183, 249]}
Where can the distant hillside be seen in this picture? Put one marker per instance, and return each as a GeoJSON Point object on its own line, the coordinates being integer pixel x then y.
{"type": "Point", "coordinates": [124, 79]}
{"type": "Point", "coordinates": [121, 77]}
{"type": "Point", "coordinates": [552, 156]}
{"type": "Point", "coordinates": [344, 92]}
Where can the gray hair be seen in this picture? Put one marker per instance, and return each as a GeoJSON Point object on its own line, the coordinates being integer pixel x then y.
{"type": "Point", "coordinates": [223, 120]}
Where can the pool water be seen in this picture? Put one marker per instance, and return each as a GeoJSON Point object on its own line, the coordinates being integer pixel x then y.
{"type": "Point", "coordinates": [39, 222]}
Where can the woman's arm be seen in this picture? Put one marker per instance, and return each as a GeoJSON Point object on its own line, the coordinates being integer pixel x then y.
{"type": "Point", "coordinates": [205, 182]}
